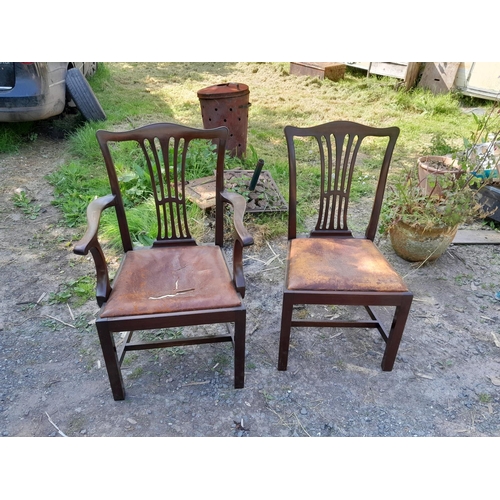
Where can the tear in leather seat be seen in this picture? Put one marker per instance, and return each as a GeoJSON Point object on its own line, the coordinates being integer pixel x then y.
{"type": "Point", "coordinates": [167, 280]}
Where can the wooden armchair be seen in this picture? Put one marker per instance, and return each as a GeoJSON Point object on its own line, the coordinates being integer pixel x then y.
{"type": "Point", "coordinates": [331, 266]}
{"type": "Point", "coordinates": [175, 282]}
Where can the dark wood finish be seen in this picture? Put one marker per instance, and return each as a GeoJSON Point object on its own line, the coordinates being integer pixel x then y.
{"type": "Point", "coordinates": [332, 267]}
{"type": "Point", "coordinates": [150, 290]}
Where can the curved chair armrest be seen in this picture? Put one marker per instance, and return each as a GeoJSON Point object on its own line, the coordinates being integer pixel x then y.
{"type": "Point", "coordinates": [94, 211]}
{"type": "Point", "coordinates": [239, 206]}
{"type": "Point", "coordinates": [243, 237]}
{"type": "Point", "coordinates": [90, 243]}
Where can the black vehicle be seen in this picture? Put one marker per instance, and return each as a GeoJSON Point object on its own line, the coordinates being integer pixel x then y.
{"type": "Point", "coordinates": [32, 91]}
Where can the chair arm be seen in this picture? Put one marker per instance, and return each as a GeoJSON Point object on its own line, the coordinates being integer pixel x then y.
{"type": "Point", "coordinates": [243, 237]}
{"type": "Point", "coordinates": [239, 206]}
{"type": "Point", "coordinates": [94, 211]}
{"type": "Point", "coordinates": [90, 243]}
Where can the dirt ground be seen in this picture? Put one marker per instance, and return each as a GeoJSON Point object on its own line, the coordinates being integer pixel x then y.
{"type": "Point", "coordinates": [445, 380]}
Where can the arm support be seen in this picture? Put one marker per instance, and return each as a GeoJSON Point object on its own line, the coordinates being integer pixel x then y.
{"type": "Point", "coordinates": [242, 237]}
{"type": "Point", "coordinates": [239, 205]}
{"type": "Point", "coordinates": [90, 243]}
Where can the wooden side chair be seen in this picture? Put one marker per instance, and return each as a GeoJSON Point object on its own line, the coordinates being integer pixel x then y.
{"type": "Point", "coordinates": [332, 266]}
{"type": "Point", "coordinates": [175, 282]}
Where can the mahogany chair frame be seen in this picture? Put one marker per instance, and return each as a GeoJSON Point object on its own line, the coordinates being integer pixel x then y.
{"type": "Point", "coordinates": [166, 144]}
{"type": "Point", "coordinates": [338, 144]}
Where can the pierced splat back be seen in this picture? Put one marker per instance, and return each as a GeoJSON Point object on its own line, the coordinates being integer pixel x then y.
{"type": "Point", "coordinates": [338, 146]}
{"type": "Point", "coordinates": [165, 148]}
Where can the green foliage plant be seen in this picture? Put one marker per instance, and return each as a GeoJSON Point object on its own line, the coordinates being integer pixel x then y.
{"type": "Point", "coordinates": [79, 291]}
{"type": "Point", "coordinates": [25, 203]}
{"type": "Point", "coordinates": [13, 135]}
{"type": "Point", "coordinates": [407, 202]}
{"type": "Point", "coordinates": [457, 203]}
{"type": "Point", "coordinates": [482, 148]}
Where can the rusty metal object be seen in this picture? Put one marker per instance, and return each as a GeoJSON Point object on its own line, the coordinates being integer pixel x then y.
{"type": "Point", "coordinates": [226, 104]}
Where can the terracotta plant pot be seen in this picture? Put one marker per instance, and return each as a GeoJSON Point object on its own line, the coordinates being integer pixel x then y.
{"type": "Point", "coordinates": [416, 244]}
{"type": "Point", "coordinates": [430, 168]}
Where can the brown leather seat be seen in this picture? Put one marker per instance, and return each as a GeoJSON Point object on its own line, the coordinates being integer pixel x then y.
{"type": "Point", "coordinates": [169, 280]}
{"type": "Point", "coordinates": [340, 264]}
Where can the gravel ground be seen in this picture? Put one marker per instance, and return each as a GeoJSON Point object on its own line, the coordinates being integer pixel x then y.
{"type": "Point", "coordinates": [53, 382]}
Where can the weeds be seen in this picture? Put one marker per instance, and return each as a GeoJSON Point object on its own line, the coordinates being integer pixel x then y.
{"type": "Point", "coordinates": [165, 333]}
{"type": "Point", "coordinates": [12, 136]}
{"type": "Point", "coordinates": [129, 359]}
{"type": "Point", "coordinates": [445, 364]}
{"type": "Point", "coordinates": [221, 361]}
{"type": "Point", "coordinates": [52, 325]}
{"type": "Point", "coordinates": [138, 372]}
{"type": "Point", "coordinates": [80, 290]}
{"type": "Point", "coordinates": [484, 398]}
{"type": "Point", "coordinates": [463, 279]}
{"type": "Point", "coordinates": [22, 201]}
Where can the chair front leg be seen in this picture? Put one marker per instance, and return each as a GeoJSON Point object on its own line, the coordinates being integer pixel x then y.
{"type": "Point", "coordinates": [239, 350]}
{"type": "Point", "coordinates": [286, 325]}
{"type": "Point", "coordinates": [397, 328]}
{"type": "Point", "coordinates": [111, 360]}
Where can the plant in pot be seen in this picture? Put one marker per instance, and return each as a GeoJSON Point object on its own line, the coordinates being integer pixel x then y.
{"type": "Point", "coordinates": [425, 206]}
{"type": "Point", "coordinates": [479, 157]}
{"type": "Point", "coordinates": [421, 224]}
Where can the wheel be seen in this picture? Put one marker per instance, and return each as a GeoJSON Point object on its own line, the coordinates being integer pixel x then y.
{"type": "Point", "coordinates": [83, 96]}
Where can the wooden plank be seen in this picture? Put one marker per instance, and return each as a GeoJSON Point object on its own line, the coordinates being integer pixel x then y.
{"type": "Point", "coordinates": [266, 196]}
{"type": "Point", "coordinates": [407, 71]}
{"type": "Point", "coordinates": [439, 77]}
{"type": "Point", "coordinates": [412, 72]}
{"type": "Point", "coordinates": [393, 69]}
{"type": "Point", "coordinates": [202, 191]}
{"type": "Point", "coordinates": [476, 237]}
{"type": "Point", "coordinates": [332, 70]}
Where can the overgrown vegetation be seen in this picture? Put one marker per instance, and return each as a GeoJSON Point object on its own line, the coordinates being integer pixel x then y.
{"type": "Point", "coordinates": [451, 200]}
{"type": "Point", "coordinates": [134, 94]}
{"type": "Point", "coordinates": [77, 291]}
{"type": "Point", "coordinates": [12, 135]}
{"type": "Point", "coordinates": [22, 201]}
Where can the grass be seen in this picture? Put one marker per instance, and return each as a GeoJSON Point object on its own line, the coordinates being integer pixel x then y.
{"type": "Point", "coordinates": [13, 135]}
{"type": "Point", "coordinates": [484, 398]}
{"type": "Point", "coordinates": [135, 94]}
{"type": "Point", "coordinates": [77, 291]}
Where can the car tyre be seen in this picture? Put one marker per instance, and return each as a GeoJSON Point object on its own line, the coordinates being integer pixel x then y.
{"type": "Point", "coordinates": [79, 90]}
